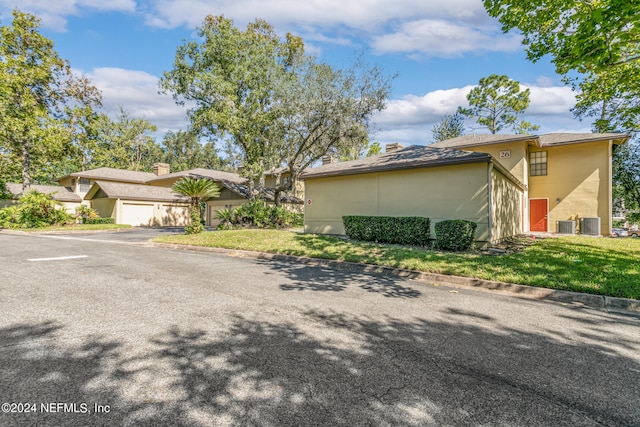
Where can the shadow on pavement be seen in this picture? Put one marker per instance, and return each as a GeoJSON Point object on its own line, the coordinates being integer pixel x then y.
{"type": "Point", "coordinates": [337, 370]}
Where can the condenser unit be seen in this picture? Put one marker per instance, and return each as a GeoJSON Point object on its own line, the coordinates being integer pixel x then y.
{"type": "Point", "coordinates": [566, 227]}
{"type": "Point", "coordinates": [590, 226]}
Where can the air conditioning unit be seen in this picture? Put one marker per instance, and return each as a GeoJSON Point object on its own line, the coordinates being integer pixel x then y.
{"type": "Point", "coordinates": [590, 226]}
{"type": "Point", "coordinates": [566, 227]}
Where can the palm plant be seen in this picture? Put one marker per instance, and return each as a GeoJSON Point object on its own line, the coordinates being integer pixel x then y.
{"type": "Point", "coordinates": [198, 190]}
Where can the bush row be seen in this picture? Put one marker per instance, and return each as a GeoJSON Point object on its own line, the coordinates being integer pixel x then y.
{"type": "Point", "coordinates": [451, 235]}
{"type": "Point", "coordinates": [258, 214]}
{"type": "Point", "coordinates": [99, 220]}
{"type": "Point", "coordinates": [407, 230]}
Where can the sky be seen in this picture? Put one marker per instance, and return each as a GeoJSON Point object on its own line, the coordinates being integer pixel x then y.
{"type": "Point", "coordinates": [439, 50]}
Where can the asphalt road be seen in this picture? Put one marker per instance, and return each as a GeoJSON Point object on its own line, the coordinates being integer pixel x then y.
{"type": "Point", "coordinates": [94, 332]}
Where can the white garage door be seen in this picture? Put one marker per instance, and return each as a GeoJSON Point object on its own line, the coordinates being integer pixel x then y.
{"type": "Point", "coordinates": [133, 214]}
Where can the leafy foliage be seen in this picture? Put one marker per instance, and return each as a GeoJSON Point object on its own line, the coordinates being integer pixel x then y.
{"type": "Point", "coordinates": [34, 210]}
{"type": "Point", "coordinates": [455, 235]}
{"type": "Point", "coordinates": [384, 229]}
{"type": "Point", "coordinates": [98, 220]}
{"type": "Point", "coordinates": [198, 190]}
{"type": "Point", "coordinates": [450, 126]}
{"type": "Point", "coordinates": [258, 214]}
{"type": "Point", "coordinates": [182, 151]}
{"type": "Point", "coordinates": [277, 105]}
{"type": "Point", "coordinates": [44, 105]}
{"type": "Point", "coordinates": [496, 103]}
{"type": "Point", "coordinates": [626, 170]}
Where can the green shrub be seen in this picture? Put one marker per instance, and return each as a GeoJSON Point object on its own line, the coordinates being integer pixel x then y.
{"type": "Point", "coordinates": [258, 214]}
{"type": "Point", "coordinates": [9, 217]}
{"type": "Point", "coordinates": [195, 226]}
{"type": "Point", "coordinates": [85, 213]}
{"type": "Point", "coordinates": [408, 230]}
{"type": "Point", "coordinates": [99, 220]}
{"type": "Point", "coordinates": [35, 210]}
{"type": "Point", "coordinates": [455, 235]}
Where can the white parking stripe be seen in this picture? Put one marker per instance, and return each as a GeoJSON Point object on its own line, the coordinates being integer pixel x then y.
{"type": "Point", "coordinates": [60, 258]}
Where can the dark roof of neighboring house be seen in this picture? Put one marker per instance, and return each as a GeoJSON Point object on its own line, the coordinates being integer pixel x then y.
{"type": "Point", "coordinates": [550, 139]}
{"type": "Point", "coordinates": [59, 193]}
{"type": "Point", "coordinates": [112, 174]}
{"type": "Point", "coordinates": [267, 194]}
{"type": "Point", "coordinates": [414, 156]}
{"type": "Point", "coordinates": [147, 193]}
{"type": "Point", "coordinates": [201, 173]}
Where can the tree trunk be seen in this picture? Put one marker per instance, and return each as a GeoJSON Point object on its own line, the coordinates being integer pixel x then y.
{"type": "Point", "coordinates": [26, 165]}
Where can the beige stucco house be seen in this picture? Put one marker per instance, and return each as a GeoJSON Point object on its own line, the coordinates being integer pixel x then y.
{"type": "Point", "coordinates": [507, 184]}
{"type": "Point", "coordinates": [65, 196]}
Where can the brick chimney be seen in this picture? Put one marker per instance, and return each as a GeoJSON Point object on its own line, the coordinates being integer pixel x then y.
{"type": "Point", "coordinates": [161, 168]}
{"type": "Point", "coordinates": [393, 147]}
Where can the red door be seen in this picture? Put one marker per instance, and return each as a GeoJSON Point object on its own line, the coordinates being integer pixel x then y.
{"type": "Point", "coordinates": [538, 214]}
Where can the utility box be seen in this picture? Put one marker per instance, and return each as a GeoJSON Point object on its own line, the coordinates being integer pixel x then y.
{"type": "Point", "coordinates": [590, 226]}
{"type": "Point", "coordinates": [566, 227]}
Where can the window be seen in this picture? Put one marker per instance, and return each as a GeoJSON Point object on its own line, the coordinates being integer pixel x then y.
{"type": "Point", "coordinates": [538, 163]}
{"type": "Point", "coordinates": [85, 185]}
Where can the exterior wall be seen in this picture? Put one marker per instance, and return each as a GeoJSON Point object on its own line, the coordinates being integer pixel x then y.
{"type": "Point", "coordinates": [439, 193]}
{"type": "Point", "coordinates": [157, 213]}
{"type": "Point", "coordinates": [517, 161]}
{"type": "Point", "coordinates": [227, 200]}
{"type": "Point", "coordinates": [106, 208]}
{"type": "Point", "coordinates": [507, 212]}
{"type": "Point", "coordinates": [577, 184]}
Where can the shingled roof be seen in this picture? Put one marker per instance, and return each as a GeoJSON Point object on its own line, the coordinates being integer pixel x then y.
{"type": "Point", "coordinates": [414, 156]}
{"type": "Point", "coordinates": [57, 192]}
{"type": "Point", "coordinates": [202, 173]}
{"type": "Point", "coordinates": [112, 174]}
{"type": "Point", "coordinates": [118, 190]}
{"type": "Point", "coordinates": [547, 140]}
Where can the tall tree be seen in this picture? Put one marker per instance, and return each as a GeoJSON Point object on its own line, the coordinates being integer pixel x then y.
{"type": "Point", "coordinates": [450, 126]}
{"type": "Point", "coordinates": [38, 96]}
{"type": "Point", "coordinates": [125, 143]}
{"type": "Point", "coordinates": [182, 151]}
{"type": "Point", "coordinates": [496, 103]}
{"type": "Point", "coordinates": [277, 105]}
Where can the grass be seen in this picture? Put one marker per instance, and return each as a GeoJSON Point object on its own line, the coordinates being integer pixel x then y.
{"type": "Point", "coordinates": [603, 266]}
{"type": "Point", "coordinates": [77, 227]}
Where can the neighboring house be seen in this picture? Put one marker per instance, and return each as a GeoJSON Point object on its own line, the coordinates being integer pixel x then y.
{"type": "Point", "coordinates": [507, 184]}
{"type": "Point", "coordinates": [138, 204]}
{"type": "Point", "coordinates": [69, 199]}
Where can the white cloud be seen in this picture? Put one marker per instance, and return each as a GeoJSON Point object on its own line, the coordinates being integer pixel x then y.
{"type": "Point", "coordinates": [445, 38]}
{"type": "Point", "coordinates": [54, 13]}
{"type": "Point", "coordinates": [137, 92]}
{"type": "Point", "coordinates": [409, 120]}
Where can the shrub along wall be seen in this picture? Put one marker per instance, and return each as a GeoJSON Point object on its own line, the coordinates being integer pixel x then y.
{"type": "Point", "coordinates": [408, 230]}
{"type": "Point", "coordinates": [455, 234]}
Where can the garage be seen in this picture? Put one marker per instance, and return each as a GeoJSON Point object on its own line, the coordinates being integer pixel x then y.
{"type": "Point", "coordinates": [174, 216]}
{"type": "Point", "coordinates": [136, 214]}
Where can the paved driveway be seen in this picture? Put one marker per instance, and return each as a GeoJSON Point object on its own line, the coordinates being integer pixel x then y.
{"type": "Point", "coordinates": [97, 333]}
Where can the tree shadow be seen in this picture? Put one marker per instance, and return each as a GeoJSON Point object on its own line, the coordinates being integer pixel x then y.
{"type": "Point", "coordinates": [337, 278]}
{"type": "Point", "coordinates": [326, 368]}
{"type": "Point", "coordinates": [35, 370]}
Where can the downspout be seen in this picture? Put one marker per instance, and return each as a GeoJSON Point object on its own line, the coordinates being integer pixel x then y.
{"type": "Point", "coordinates": [610, 189]}
{"type": "Point", "coordinates": [490, 201]}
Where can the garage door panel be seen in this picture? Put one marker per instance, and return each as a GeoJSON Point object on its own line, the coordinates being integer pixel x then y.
{"type": "Point", "coordinates": [137, 215]}
{"type": "Point", "coordinates": [175, 216]}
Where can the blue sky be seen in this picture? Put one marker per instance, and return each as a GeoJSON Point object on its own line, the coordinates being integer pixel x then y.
{"type": "Point", "coordinates": [438, 48]}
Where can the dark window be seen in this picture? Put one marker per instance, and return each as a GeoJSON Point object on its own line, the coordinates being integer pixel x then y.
{"type": "Point", "coordinates": [538, 163]}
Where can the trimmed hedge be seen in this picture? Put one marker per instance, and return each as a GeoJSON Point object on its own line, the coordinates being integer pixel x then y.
{"type": "Point", "coordinates": [408, 230]}
{"type": "Point", "coordinates": [455, 234]}
{"type": "Point", "coordinates": [99, 221]}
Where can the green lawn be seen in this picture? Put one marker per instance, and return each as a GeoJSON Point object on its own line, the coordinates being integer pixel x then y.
{"type": "Point", "coordinates": [77, 227]}
{"type": "Point", "coordinates": [602, 266]}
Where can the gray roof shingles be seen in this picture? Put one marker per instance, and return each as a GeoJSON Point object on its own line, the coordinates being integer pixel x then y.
{"type": "Point", "coordinates": [59, 193]}
{"type": "Point", "coordinates": [117, 190]}
{"type": "Point", "coordinates": [414, 156]}
{"type": "Point", "coordinates": [112, 174]}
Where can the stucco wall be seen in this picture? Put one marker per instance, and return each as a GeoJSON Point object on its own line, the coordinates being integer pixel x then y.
{"type": "Point", "coordinates": [516, 162]}
{"type": "Point", "coordinates": [577, 184]}
{"type": "Point", "coordinates": [106, 208]}
{"type": "Point", "coordinates": [439, 193]}
{"type": "Point", "coordinates": [507, 201]}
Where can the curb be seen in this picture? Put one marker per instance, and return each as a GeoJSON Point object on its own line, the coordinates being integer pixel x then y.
{"type": "Point", "coordinates": [610, 304]}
